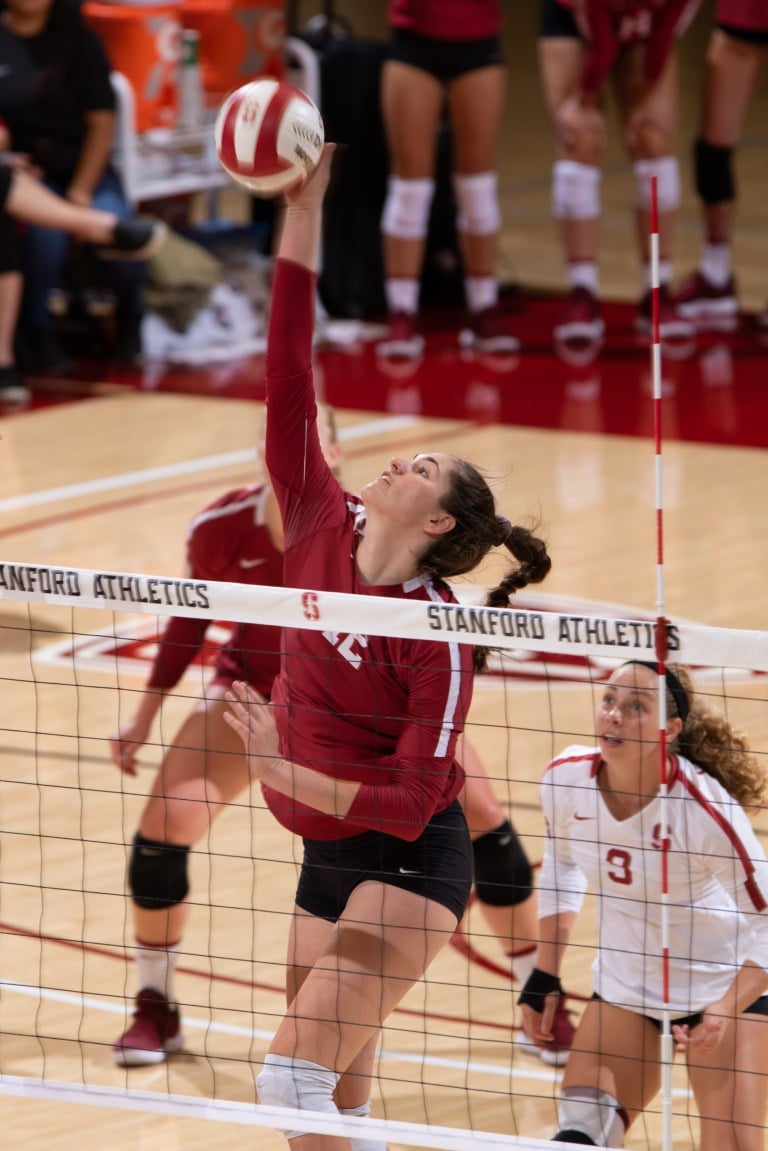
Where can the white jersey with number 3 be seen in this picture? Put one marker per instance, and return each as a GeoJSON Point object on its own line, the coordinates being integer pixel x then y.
{"type": "Point", "coordinates": [717, 883]}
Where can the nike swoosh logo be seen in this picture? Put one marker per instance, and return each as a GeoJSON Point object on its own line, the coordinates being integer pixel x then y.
{"type": "Point", "coordinates": [252, 563]}
{"type": "Point", "coordinates": [407, 871]}
{"type": "Point", "coordinates": [585, 817]}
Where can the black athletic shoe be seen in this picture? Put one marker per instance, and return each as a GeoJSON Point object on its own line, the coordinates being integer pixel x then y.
{"type": "Point", "coordinates": [135, 239]}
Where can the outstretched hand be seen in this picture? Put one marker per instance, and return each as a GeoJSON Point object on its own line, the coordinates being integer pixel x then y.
{"type": "Point", "coordinates": [312, 191]}
{"type": "Point", "coordinates": [254, 722]}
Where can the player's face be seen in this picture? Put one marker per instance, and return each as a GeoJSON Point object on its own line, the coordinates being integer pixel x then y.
{"type": "Point", "coordinates": [627, 720]}
{"type": "Point", "coordinates": [409, 491]}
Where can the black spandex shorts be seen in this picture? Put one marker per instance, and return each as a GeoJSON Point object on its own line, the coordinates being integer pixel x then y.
{"type": "Point", "coordinates": [759, 1007]}
{"type": "Point", "coordinates": [438, 866]}
{"type": "Point", "coordinates": [555, 20]}
{"type": "Point", "coordinates": [444, 59]}
{"type": "Point", "coordinates": [748, 35]}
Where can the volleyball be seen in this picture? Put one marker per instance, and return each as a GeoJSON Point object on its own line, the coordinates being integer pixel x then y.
{"type": "Point", "coordinates": [269, 135]}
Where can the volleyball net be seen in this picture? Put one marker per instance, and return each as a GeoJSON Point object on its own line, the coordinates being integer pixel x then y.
{"type": "Point", "coordinates": [76, 647]}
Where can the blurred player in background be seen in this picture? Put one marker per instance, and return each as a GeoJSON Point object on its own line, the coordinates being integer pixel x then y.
{"type": "Point", "coordinates": [238, 539]}
{"type": "Point", "coordinates": [735, 61]}
{"type": "Point", "coordinates": [605, 819]}
{"type": "Point", "coordinates": [443, 51]}
{"type": "Point", "coordinates": [584, 45]}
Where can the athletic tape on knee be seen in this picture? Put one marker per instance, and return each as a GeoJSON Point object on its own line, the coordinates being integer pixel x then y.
{"type": "Point", "coordinates": [575, 191]}
{"type": "Point", "coordinates": [406, 208]}
{"type": "Point", "coordinates": [287, 1082]}
{"type": "Point", "coordinates": [713, 168]}
{"type": "Point", "coordinates": [666, 169]}
{"type": "Point", "coordinates": [591, 1112]}
{"type": "Point", "coordinates": [503, 872]}
{"type": "Point", "coordinates": [157, 873]}
{"type": "Point", "coordinates": [356, 1142]}
{"type": "Point", "coordinates": [477, 202]}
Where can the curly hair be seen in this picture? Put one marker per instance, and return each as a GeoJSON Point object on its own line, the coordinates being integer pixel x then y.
{"type": "Point", "coordinates": [709, 741]}
{"type": "Point", "coordinates": [479, 528]}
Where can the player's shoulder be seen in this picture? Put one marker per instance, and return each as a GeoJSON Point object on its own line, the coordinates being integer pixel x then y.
{"type": "Point", "coordinates": [574, 763]}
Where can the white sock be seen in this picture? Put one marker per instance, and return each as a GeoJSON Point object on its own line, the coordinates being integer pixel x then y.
{"type": "Point", "coordinates": [356, 1143]}
{"type": "Point", "coordinates": [402, 295]}
{"type": "Point", "coordinates": [155, 967]}
{"type": "Point", "coordinates": [481, 292]}
{"type": "Point", "coordinates": [715, 264]}
{"type": "Point", "coordinates": [583, 274]}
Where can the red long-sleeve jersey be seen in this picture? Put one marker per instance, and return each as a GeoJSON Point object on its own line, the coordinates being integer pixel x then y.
{"type": "Point", "coordinates": [381, 711]}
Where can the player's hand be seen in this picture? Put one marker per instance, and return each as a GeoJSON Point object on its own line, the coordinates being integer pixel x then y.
{"type": "Point", "coordinates": [126, 743]}
{"type": "Point", "coordinates": [537, 1025]}
{"type": "Point", "coordinates": [254, 722]}
{"type": "Point", "coordinates": [705, 1036]}
{"type": "Point", "coordinates": [311, 192]}
{"type": "Point", "coordinates": [580, 126]}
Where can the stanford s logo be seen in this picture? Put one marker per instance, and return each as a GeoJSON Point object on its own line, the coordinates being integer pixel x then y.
{"type": "Point", "coordinates": [657, 842]}
{"type": "Point", "coordinates": [309, 603]}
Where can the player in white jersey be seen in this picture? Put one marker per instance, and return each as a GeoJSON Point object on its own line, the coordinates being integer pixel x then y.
{"type": "Point", "coordinates": [605, 819]}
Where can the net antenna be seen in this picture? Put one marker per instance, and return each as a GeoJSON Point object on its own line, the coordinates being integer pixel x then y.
{"type": "Point", "coordinates": [662, 649]}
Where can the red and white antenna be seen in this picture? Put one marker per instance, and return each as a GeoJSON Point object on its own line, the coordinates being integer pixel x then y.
{"type": "Point", "coordinates": [661, 633]}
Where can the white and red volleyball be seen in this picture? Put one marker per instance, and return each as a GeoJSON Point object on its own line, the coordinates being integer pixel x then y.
{"type": "Point", "coordinates": [269, 135]}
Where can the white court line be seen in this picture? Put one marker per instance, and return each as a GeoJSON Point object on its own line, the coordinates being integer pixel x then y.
{"type": "Point", "coordinates": [542, 1075]}
{"type": "Point", "coordinates": [183, 468]}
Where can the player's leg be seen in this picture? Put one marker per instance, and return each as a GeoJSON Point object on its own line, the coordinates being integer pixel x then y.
{"type": "Point", "coordinates": [476, 102]}
{"type": "Point", "coordinates": [202, 772]}
{"type": "Point", "coordinates": [31, 201]}
{"type": "Point", "coordinates": [612, 1075]}
{"type": "Point", "coordinates": [411, 101]}
{"type": "Point", "coordinates": [649, 123]}
{"type": "Point", "coordinates": [308, 939]}
{"type": "Point", "coordinates": [579, 136]}
{"type": "Point", "coordinates": [733, 68]}
{"type": "Point", "coordinates": [381, 945]}
{"type": "Point", "coordinates": [731, 1087]}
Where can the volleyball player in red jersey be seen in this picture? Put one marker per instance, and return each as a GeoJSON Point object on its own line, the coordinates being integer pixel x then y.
{"type": "Point", "coordinates": [443, 51]}
{"type": "Point", "coordinates": [356, 752]}
{"type": "Point", "coordinates": [584, 44]}
{"type": "Point", "coordinates": [236, 539]}
{"type": "Point", "coordinates": [735, 61]}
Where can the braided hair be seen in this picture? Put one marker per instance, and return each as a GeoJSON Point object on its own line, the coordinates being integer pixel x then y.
{"type": "Point", "coordinates": [479, 528]}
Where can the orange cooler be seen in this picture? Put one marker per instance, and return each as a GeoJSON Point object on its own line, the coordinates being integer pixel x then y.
{"type": "Point", "coordinates": [143, 42]}
{"type": "Point", "coordinates": [239, 40]}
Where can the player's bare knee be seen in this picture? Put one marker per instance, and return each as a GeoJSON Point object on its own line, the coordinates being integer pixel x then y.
{"type": "Point", "coordinates": [591, 1117]}
{"type": "Point", "coordinates": [157, 873]}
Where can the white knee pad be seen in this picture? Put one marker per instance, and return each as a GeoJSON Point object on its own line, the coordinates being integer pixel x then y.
{"type": "Point", "coordinates": [593, 1113]}
{"type": "Point", "coordinates": [286, 1082]}
{"type": "Point", "coordinates": [667, 172]}
{"type": "Point", "coordinates": [356, 1142]}
{"type": "Point", "coordinates": [406, 209]}
{"type": "Point", "coordinates": [478, 203]}
{"type": "Point", "coordinates": [575, 191]}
